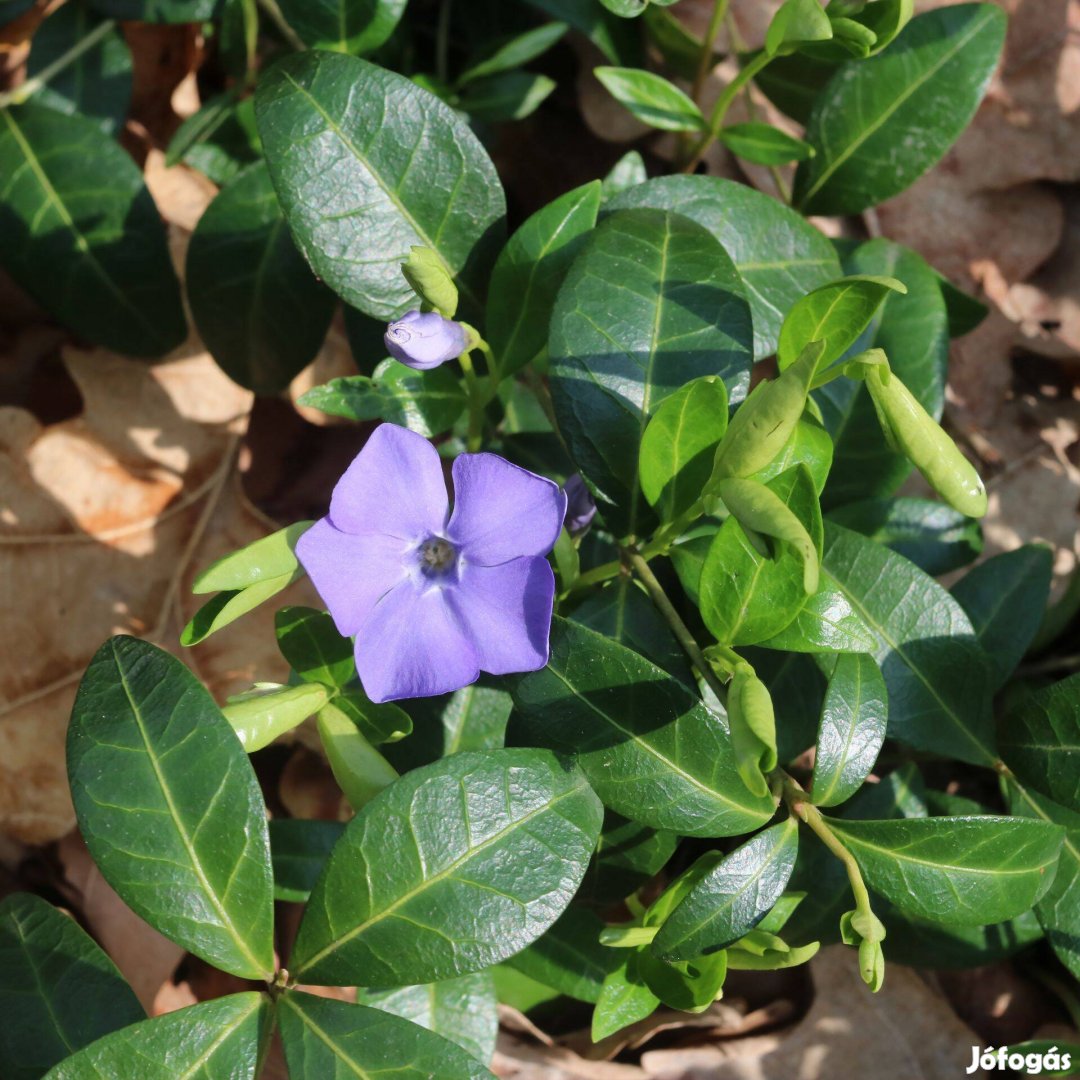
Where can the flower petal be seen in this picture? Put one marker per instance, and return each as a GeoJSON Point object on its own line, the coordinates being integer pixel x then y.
{"type": "Point", "coordinates": [351, 573]}
{"type": "Point", "coordinates": [506, 612]}
{"type": "Point", "coordinates": [502, 512]}
{"type": "Point", "coordinates": [412, 646]}
{"type": "Point", "coordinates": [395, 485]}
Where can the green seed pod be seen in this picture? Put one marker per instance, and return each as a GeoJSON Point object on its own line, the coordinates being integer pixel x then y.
{"type": "Point", "coordinates": [764, 422]}
{"type": "Point", "coordinates": [360, 770]}
{"type": "Point", "coordinates": [258, 719]}
{"type": "Point", "coordinates": [753, 728]}
{"type": "Point", "coordinates": [762, 511]}
{"type": "Point", "coordinates": [872, 964]}
{"type": "Point", "coordinates": [915, 433]}
{"type": "Point", "coordinates": [431, 281]}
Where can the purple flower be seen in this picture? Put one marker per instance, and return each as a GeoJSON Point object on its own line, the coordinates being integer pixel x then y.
{"type": "Point", "coordinates": [580, 505]}
{"type": "Point", "coordinates": [434, 597]}
{"type": "Point", "coordinates": [424, 340]}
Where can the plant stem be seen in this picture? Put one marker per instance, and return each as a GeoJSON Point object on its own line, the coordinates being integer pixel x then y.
{"type": "Point", "coordinates": [723, 103]}
{"type": "Point", "coordinates": [20, 93]}
{"type": "Point", "coordinates": [286, 31]}
{"type": "Point", "coordinates": [442, 42]}
{"type": "Point", "coordinates": [476, 404]}
{"type": "Point", "coordinates": [674, 620]}
{"type": "Point", "coordinates": [719, 13]}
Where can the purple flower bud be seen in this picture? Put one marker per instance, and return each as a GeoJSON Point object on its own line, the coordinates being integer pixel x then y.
{"type": "Point", "coordinates": [580, 505]}
{"type": "Point", "coordinates": [424, 340]}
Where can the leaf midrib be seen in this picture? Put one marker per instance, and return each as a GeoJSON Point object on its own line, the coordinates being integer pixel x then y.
{"type": "Point", "coordinates": [308, 1021]}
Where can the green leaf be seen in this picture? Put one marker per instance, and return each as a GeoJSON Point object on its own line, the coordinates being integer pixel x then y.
{"type": "Point", "coordinates": [169, 806]}
{"type": "Point", "coordinates": [733, 897]}
{"type": "Point", "coordinates": [334, 1040]}
{"type": "Point", "coordinates": [461, 1010]}
{"type": "Point", "coordinates": [935, 671]}
{"type": "Point", "coordinates": [441, 844]}
{"type": "Point", "coordinates": [513, 95]}
{"type": "Point", "coordinates": [256, 304]}
{"type": "Point", "coordinates": [216, 1040]}
{"type": "Point", "coordinates": [796, 23]}
{"type": "Point", "coordinates": [764, 144]}
{"type": "Point", "coordinates": [627, 855]}
{"type": "Point", "coordinates": [569, 957]}
{"type": "Point", "coordinates": [797, 687]}
{"type": "Point", "coordinates": [625, 9]}
{"type": "Point", "coordinates": [809, 445]}
{"type": "Point", "coordinates": [619, 41]}
{"type": "Point", "coordinates": [679, 313]}
{"type": "Point", "coordinates": [1059, 909]}
{"type": "Point", "coordinates": [689, 986]}
{"type": "Point", "coordinates": [58, 990]}
{"type": "Point", "coordinates": [965, 312]}
{"type": "Point", "coordinates": [82, 235]}
{"type": "Point", "coordinates": [679, 445]}
{"type": "Point", "coordinates": [219, 140]}
{"type": "Point", "coordinates": [935, 537]}
{"type": "Point", "coordinates": [427, 402]}
{"type": "Point", "coordinates": [348, 26]}
{"type": "Point", "coordinates": [835, 314]}
{"type": "Point", "coordinates": [262, 560]}
{"type": "Point", "coordinates": [651, 98]}
{"type": "Point", "coordinates": [528, 274]}
{"type": "Point", "coordinates": [230, 605]}
{"type": "Point", "coordinates": [627, 172]}
{"type": "Point", "coordinates": [745, 596]}
{"type": "Point", "coordinates": [853, 721]}
{"type": "Point", "coordinates": [793, 83]}
{"type": "Point", "coordinates": [881, 123]}
{"type": "Point", "coordinates": [967, 870]}
{"type": "Point", "coordinates": [298, 850]}
{"type": "Point", "coordinates": [97, 82]}
{"type": "Point", "coordinates": [311, 644]}
{"type": "Point", "coordinates": [1040, 741]}
{"type": "Point", "coordinates": [366, 164]}
{"type": "Point", "coordinates": [679, 48]}
{"type": "Point", "coordinates": [649, 747]}
{"type": "Point", "coordinates": [913, 330]}
{"type": "Point", "coordinates": [779, 255]}
{"type": "Point", "coordinates": [359, 769]}
{"type": "Point", "coordinates": [1005, 598]}
{"type": "Point", "coordinates": [624, 999]}
{"type": "Point", "coordinates": [515, 53]}
{"type": "Point", "coordinates": [259, 718]}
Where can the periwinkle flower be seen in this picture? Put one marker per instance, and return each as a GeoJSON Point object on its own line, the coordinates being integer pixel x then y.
{"type": "Point", "coordinates": [580, 505]}
{"type": "Point", "coordinates": [424, 340]}
{"type": "Point", "coordinates": [434, 597]}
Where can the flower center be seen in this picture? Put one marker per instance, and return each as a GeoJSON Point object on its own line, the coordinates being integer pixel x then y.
{"type": "Point", "coordinates": [437, 556]}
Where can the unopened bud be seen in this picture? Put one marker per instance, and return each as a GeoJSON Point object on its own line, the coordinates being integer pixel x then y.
{"type": "Point", "coordinates": [424, 340]}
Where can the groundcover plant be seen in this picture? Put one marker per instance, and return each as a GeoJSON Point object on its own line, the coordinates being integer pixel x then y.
{"type": "Point", "coordinates": [622, 547]}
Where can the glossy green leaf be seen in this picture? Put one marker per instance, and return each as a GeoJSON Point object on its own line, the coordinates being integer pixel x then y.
{"type": "Point", "coordinates": [651, 98]}
{"type": "Point", "coordinates": [348, 26]}
{"type": "Point", "coordinates": [461, 1010]}
{"type": "Point", "coordinates": [366, 164]}
{"type": "Point", "coordinates": [691, 986]}
{"type": "Point", "coordinates": [797, 687]}
{"type": "Point", "coordinates": [268, 557]}
{"type": "Point", "coordinates": [441, 837]}
{"type": "Point", "coordinates": [216, 1040]}
{"type": "Point", "coordinates": [747, 596]}
{"type": "Point", "coordinates": [764, 144]}
{"type": "Point", "coordinates": [935, 537]}
{"type": "Point", "coordinates": [359, 769]}
{"type": "Point", "coordinates": [779, 255]}
{"type": "Point", "coordinates": [1005, 598]}
{"type": "Point", "coordinates": [335, 1040]}
{"type": "Point", "coordinates": [169, 806]}
{"type": "Point", "coordinates": [58, 990]}
{"type": "Point", "coordinates": [835, 314]}
{"type": "Point", "coordinates": [528, 274]}
{"type": "Point", "coordinates": [913, 330]}
{"type": "Point", "coordinates": [1040, 740]}
{"type": "Point", "coordinates": [797, 22]}
{"type": "Point", "coordinates": [853, 721]}
{"type": "Point", "coordinates": [733, 897]}
{"type": "Point", "coordinates": [258, 308]}
{"type": "Point", "coordinates": [231, 604]}
{"type": "Point", "coordinates": [569, 957]}
{"type": "Point", "coordinates": [512, 95]}
{"type": "Point", "coordinates": [427, 402]}
{"type": "Point", "coordinates": [679, 313]}
{"type": "Point", "coordinates": [516, 52]}
{"type": "Point", "coordinates": [1059, 909]}
{"type": "Point", "coordinates": [935, 671]}
{"type": "Point", "coordinates": [82, 235]}
{"type": "Point", "coordinates": [649, 747]}
{"type": "Point", "coordinates": [220, 140]}
{"type": "Point", "coordinates": [311, 644]}
{"type": "Point", "coordinates": [618, 40]}
{"type": "Point", "coordinates": [793, 83]}
{"type": "Point", "coordinates": [259, 718]}
{"type": "Point", "coordinates": [627, 172]}
{"type": "Point", "coordinates": [299, 849]}
{"type": "Point", "coordinates": [964, 311]}
{"type": "Point", "coordinates": [968, 870]}
{"type": "Point", "coordinates": [679, 445]}
{"type": "Point", "coordinates": [97, 82]}
{"type": "Point", "coordinates": [880, 124]}
{"type": "Point", "coordinates": [624, 999]}
{"type": "Point", "coordinates": [627, 855]}
{"type": "Point", "coordinates": [809, 445]}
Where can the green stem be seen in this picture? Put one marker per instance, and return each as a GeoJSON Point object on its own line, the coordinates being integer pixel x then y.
{"type": "Point", "coordinates": [719, 13]}
{"type": "Point", "coordinates": [476, 403]}
{"type": "Point", "coordinates": [723, 103]}
{"type": "Point", "coordinates": [674, 620]}
{"type": "Point", "coordinates": [442, 43]}
{"type": "Point", "coordinates": [20, 93]}
{"type": "Point", "coordinates": [286, 31]}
